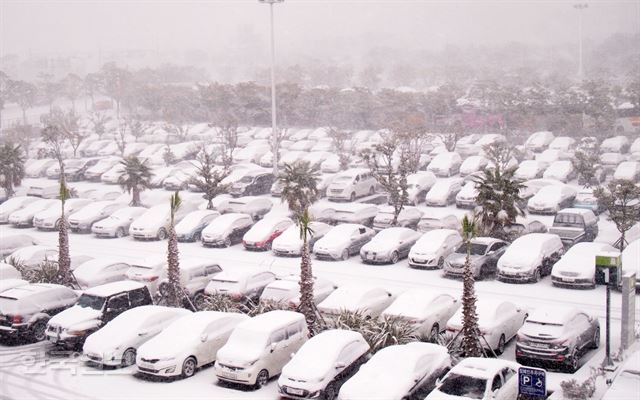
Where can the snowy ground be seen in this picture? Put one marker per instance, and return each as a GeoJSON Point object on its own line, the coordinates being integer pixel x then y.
{"type": "Point", "coordinates": [28, 372]}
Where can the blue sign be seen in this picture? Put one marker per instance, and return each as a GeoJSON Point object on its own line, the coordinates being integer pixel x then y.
{"type": "Point", "coordinates": [532, 382]}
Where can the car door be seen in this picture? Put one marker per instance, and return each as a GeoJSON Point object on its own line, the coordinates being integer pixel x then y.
{"type": "Point", "coordinates": [495, 252]}
{"type": "Point", "coordinates": [404, 244]}
{"type": "Point", "coordinates": [116, 305]}
{"type": "Point", "coordinates": [509, 389]}
{"type": "Point", "coordinates": [584, 331]}
{"type": "Point", "coordinates": [279, 352]}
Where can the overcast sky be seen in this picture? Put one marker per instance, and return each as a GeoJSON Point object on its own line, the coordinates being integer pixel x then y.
{"type": "Point", "coordinates": [66, 26]}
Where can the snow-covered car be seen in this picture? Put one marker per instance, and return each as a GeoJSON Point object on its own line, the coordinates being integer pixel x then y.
{"type": "Point", "coordinates": [398, 372]}
{"type": "Point", "coordinates": [389, 245]}
{"type": "Point", "coordinates": [551, 199]}
{"type": "Point", "coordinates": [342, 241]}
{"type": "Point", "coordinates": [154, 223]}
{"type": "Point", "coordinates": [302, 146]}
{"type": "Point", "coordinates": [30, 256]}
{"type": "Point", "coordinates": [529, 169]}
{"type": "Point", "coordinates": [24, 217]}
{"type": "Point", "coordinates": [466, 197]}
{"type": "Point", "coordinates": [617, 144]}
{"type": "Point", "coordinates": [575, 225]}
{"type": "Point", "coordinates": [335, 354]}
{"type": "Point", "coordinates": [82, 220]}
{"type": "Point", "coordinates": [587, 200]}
{"type": "Point", "coordinates": [11, 243]}
{"type": "Point", "coordinates": [113, 174]}
{"type": "Point", "coordinates": [252, 153]}
{"type": "Point", "coordinates": [577, 268]}
{"type": "Point", "coordinates": [8, 271]}
{"type": "Point", "coordinates": [190, 228]}
{"type": "Point", "coordinates": [149, 271]}
{"type": "Point", "coordinates": [478, 378]}
{"type": "Point", "coordinates": [226, 230]}
{"type": "Point", "coordinates": [39, 168]}
{"type": "Point", "coordinates": [259, 347]}
{"type": "Point", "coordinates": [557, 335]}
{"type": "Point", "coordinates": [418, 185]}
{"type": "Point", "coordinates": [179, 178]}
{"type": "Point", "coordinates": [95, 172]}
{"type": "Point", "coordinates": [431, 221]}
{"type": "Point", "coordinates": [473, 164]}
{"type": "Point", "coordinates": [254, 206]}
{"type": "Point", "coordinates": [561, 170]}
{"type": "Point", "coordinates": [322, 212]}
{"type": "Point", "coordinates": [548, 156]}
{"type": "Point", "coordinates": [426, 310]}
{"type": "Point", "coordinates": [369, 301]}
{"type": "Point", "coordinates": [254, 183]}
{"type": "Point", "coordinates": [445, 164]}
{"type": "Point", "coordinates": [95, 307]}
{"type": "Point", "coordinates": [50, 218]}
{"type": "Point", "coordinates": [117, 343]}
{"type": "Point", "coordinates": [498, 321]}
{"type": "Point", "coordinates": [99, 271]}
{"type": "Point", "coordinates": [27, 308]}
{"type": "Point", "coordinates": [444, 192]}
{"type": "Point", "coordinates": [530, 257]}
{"type": "Point", "coordinates": [287, 290]}
{"type": "Point", "coordinates": [351, 184]}
{"type": "Point", "coordinates": [7, 283]}
{"type": "Point", "coordinates": [290, 243]}
{"type": "Point", "coordinates": [408, 217]}
{"type": "Point", "coordinates": [562, 143]}
{"type": "Point", "coordinates": [74, 169]}
{"type": "Point", "coordinates": [524, 226]}
{"type": "Point", "coordinates": [331, 164]}
{"type": "Point", "coordinates": [539, 141]}
{"type": "Point", "coordinates": [629, 170]}
{"type": "Point", "coordinates": [433, 247]}
{"type": "Point", "coordinates": [14, 204]}
{"type": "Point", "coordinates": [159, 174]}
{"type": "Point", "coordinates": [354, 213]}
{"type": "Point", "coordinates": [240, 285]}
{"type": "Point", "coordinates": [117, 224]}
{"type": "Point", "coordinates": [189, 342]}
{"type": "Point", "coordinates": [483, 258]}
{"type": "Point", "coordinates": [195, 274]}
{"type": "Point", "coordinates": [262, 234]}
{"type": "Point", "coordinates": [610, 161]}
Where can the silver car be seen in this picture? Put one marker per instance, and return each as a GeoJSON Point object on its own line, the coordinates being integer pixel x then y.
{"type": "Point", "coordinates": [485, 252]}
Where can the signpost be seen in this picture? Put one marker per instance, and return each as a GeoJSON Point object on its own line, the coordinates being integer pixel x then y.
{"type": "Point", "coordinates": [611, 263]}
{"type": "Point", "coordinates": [532, 383]}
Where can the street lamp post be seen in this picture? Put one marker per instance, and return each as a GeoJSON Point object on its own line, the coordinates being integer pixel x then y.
{"type": "Point", "coordinates": [580, 7]}
{"type": "Point", "coordinates": [274, 125]}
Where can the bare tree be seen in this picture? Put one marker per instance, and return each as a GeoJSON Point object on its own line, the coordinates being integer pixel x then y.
{"type": "Point", "coordinates": [340, 139]}
{"type": "Point", "coordinates": [53, 136]}
{"type": "Point", "coordinates": [99, 121]}
{"type": "Point", "coordinates": [209, 177]}
{"type": "Point", "coordinates": [23, 134]}
{"type": "Point", "coordinates": [621, 199]}
{"type": "Point", "coordinates": [72, 87]}
{"type": "Point", "coordinates": [136, 126]}
{"type": "Point", "coordinates": [23, 93]}
{"type": "Point", "coordinates": [121, 137]}
{"type": "Point", "coordinates": [68, 123]}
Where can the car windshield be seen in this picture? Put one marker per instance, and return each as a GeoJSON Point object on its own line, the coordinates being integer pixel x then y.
{"type": "Point", "coordinates": [568, 220]}
{"type": "Point", "coordinates": [223, 285]}
{"type": "Point", "coordinates": [464, 386]}
{"type": "Point", "coordinates": [343, 179]}
{"type": "Point", "coordinates": [477, 249]}
{"type": "Point", "coordinates": [246, 179]}
{"type": "Point", "coordinates": [276, 294]}
{"type": "Point", "coordinates": [89, 301]}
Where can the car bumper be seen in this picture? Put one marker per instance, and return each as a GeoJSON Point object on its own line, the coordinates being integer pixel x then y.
{"type": "Point", "coordinates": [338, 196]}
{"type": "Point", "coordinates": [144, 235]}
{"type": "Point", "coordinates": [14, 330]}
{"type": "Point", "coordinates": [112, 361]}
{"type": "Point", "coordinates": [515, 277]}
{"type": "Point", "coordinates": [545, 355]}
{"type": "Point", "coordinates": [103, 233]}
{"type": "Point", "coordinates": [65, 340]}
{"type": "Point", "coordinates": [21, 224]}
{"type": "Point", "coordinates": [235, 374]}
{"type": "Point", "coordinates": [320, 255]}
{"type": "Point", "coordinates": [566, 281]}
{"type": "Point", "coordinates": [158, 368]}
{"type": "Point", "coordinates": [287, 252]}
{"type": "Point", "coordinates": [296, 393]}
{"type": "Point", "coordinates": [422, 263]}
{"type": "Point", "coordinates": [186, 238]}
{"type": "Point", "coordinates": [255, 246]}
{"type": "Point", "coordinates": [465, 203]}
{"type": "Point", "coordinates": [213, 242]}
{"type": "Point", "coordinates": [369, 258]}
{"type": "Point", "coordinates": [80, 228]}
{"type": "Point", "coordinates": [542, 211]}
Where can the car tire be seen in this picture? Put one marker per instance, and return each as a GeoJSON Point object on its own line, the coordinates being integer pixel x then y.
{"type": "Point", "coordinates": [198, 301]}
{"type": "Point", "coordinates": [345, 255]}
{"type": "Point", "coordinates": [262, 379]}
{"type": "Point", "coordinates": [394, 257]}
{"type": "Point", "coordinates": [189, 367]}
{"type": "Point", "coordinates": [329, 392]}
{"type": "Point", "coordinates": [372, 191]}
{"type": "Point", "coordinates": [435, 331]}
{"type": "Point", "coordinates": [441, 263]}
{"type": "Point", "coordinates": [128, 357]}
{"type": "Point", "coordinates": [537, 275]}
{"type": "Point", "coordinates": [162, 234]}
{"type": "Point", "coordinates": [573, 362]}
{"type": "Point", "coordinates": [596, 339]}
{"type": "Point", "coordinates": [501, 345]}
{"type": "Point", "coordinates": [163, 289]}
{"type": "Point", "coordinates": [57, 224]}
{"type": "Point", "coordinates": [120, 232]}
{"type": "Point", "coordinates": [38, 329]}
{"type": "Point", "coordinates": [196, 237]}
{"type": "Point", "coordinates": [483, 272]}
{"type": "Point", "coordinates": [227, 242]}
{"type": "Point", "coordinates": [352, 197]}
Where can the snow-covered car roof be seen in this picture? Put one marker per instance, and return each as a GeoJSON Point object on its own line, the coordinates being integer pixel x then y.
{"type": "Point", "coordinates": [413, 303]}
{"type": "Point", "coordinates": [394, 233]}
{"type": "Point", "coordinates": [436, 235]}
{"type": "Point", "coordinates": [485, 368]}
{"type": "Point", "coordinates": [109, 289]}
{"type": "Point", "coordinates": [355, 207]}
{"type": "Point", "coordinates": [272, 320]}
{"type": "Point", "coordinates": [530, 241]}
{"type": "Point", "coordinates": [349, 296]}
{"type": "Point", "coordinates": [26, 291]}
{"type": "Point", "coordinates": [556, 314]}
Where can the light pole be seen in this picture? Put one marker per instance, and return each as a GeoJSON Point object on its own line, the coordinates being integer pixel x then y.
{"type": "Point", "coordinates": [580, 7]}
{"type": "Point", "coordinates": [274, 124]}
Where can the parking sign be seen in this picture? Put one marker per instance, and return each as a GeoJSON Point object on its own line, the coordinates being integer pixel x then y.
{"type": "Point", "coordinates": [532, 382]}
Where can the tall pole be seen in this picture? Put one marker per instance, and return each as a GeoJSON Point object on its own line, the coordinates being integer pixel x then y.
{"type": "Point", "coordinates": [274, 125]}
{"type": "Point", "coordinates": [580, 7]}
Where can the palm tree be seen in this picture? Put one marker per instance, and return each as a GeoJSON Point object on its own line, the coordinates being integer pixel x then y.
{"type": "Point", "coordinates": [64, 259]}
{"type": "Point", "coordinates": [307, 307]}
{"type": "Point", "coordinates": [299, 187]}
{"type": "Point", "coordinates": [173, 257]}
{"type": "Point", "coordinates": [135, 178]}
{"type": "Point", "coordinates": [471, 346]}
{"type": "Point", "coordinates": [498, 200]}
{"type": "Point", "coordinates": [11, 167]}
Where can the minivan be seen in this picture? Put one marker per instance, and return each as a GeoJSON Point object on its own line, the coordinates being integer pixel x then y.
{"type": "Point", "coordinates": [351, 184]}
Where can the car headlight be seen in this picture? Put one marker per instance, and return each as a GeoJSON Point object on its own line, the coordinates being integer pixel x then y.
{"type": "Point", "coordinates": [167, 359]}
{"type": "Point", "coordinates": [249, 363]}
{"type": "Point", "coordinates": [76, 332]}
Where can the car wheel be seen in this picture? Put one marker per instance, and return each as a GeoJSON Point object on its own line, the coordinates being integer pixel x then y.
{"type": "Point", "coordinates": [483, 272]}
{"type": "Point", "coordinates": [162, 234]}
{"type": "Point", "coordinates": [196, 237]}
{"type": "Point", "coordinates": [573, 363]}
{"type": "Point", "coordinates": [372, 190]}
{"type": "Point", "coordinates": [38, 331]}
{"type": "Point", "coordinates": [394, 257]}
{"type": "Point", "coordinates": [537, 275]}
{"type": "Point", "coordinates": [440, 263]}
{"type": "Point", "coordinates": [189, 367]}
{"type": "Point", "coordinates": [129, 357]}
{"type": "Point", "coordinates": [262, 379]}
{"type": "Point", "coordinates": [596, 339]}
{"type": "Point", "coordinates": [227, 242]}
{"type": "Point", "coordinates": [57, 225]}
{"type": "Point", "coordinates": [501, 345]}
{"type": "Point", "coordinates": [435, 331]}
{"type": "Point", "coordinates": [353, 196]}
{"type": "Point", "coordinates": [345, 255]}
{"type": "Point", "coordinates": [120, 232]}
{"type": "Point", "coordinates": [267, 246]}
{"type": "Point", "coordinates": [329, 392]}
{"type": "Point", "coordinates": [198, 300]}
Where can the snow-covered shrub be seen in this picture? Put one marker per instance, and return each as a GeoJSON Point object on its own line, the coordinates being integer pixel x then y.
{"type": "Point", "coordinates": [574, 390]}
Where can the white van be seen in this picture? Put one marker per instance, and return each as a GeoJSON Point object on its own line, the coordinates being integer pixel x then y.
{"type": "Point", "coordinates": [351, 184]}
{"type": "Point", "coordinates": [445, 164]}
{"type": "Point", "coordinates": [259, 347]}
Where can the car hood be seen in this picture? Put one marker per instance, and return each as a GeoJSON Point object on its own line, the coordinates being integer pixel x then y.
{"type": "Point", "coordinates": [76, 315]}
{"type": "Point", "coordinates": [384, 385]}
{"type": "Point", "coordinates": [379, 247]}
{"type": "Point", "coordinates": [460, 259]}
{"type": "Point", "coordinates": [108, 223]}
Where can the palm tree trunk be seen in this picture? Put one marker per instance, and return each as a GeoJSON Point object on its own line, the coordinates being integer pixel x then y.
{"type": "Point", "coordinates": [307, 307]}
{"type": "Point", "coordinates": [64, 259]}
{"type": "Point", "coordinates": [470, 331]}
{"type": "Point", "coordinates": [135, 197]}
{"type": "Point", "coordinates": [173, 273]}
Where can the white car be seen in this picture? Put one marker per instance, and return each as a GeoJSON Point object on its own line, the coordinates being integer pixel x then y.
{"type": "Point", "coordinates": [190, 342]}
{"type": "Point", "coordinates": [240, 285]}
{"type": "Point", "coordinates": [117, 224]}
{"type": "Point", "coordinates": [616, 144]}
{"type": "Point", "coordinates": [342, 241]}
{"type": "Point", "coordinates": [561, 170]}
{"type": "Point", "coordinates": [354, 213]}
{"type": "Point", "coordinates": [51, 217]}
{"type": "Point", "coordinates": [408, 217]}
{"type": "Point", "coordinates": [14, 204]}
{"type": "Point", "coordinates": [530, 257]}
{"type": "Point", "coordinates": [82, 220]}
{"type": "Point", "coordinates": [30, 256]}
{"type": "Point", "coordinates": [287, 290]}
{"type": "Point", "coordinates": [389, 245]}
{"type": "Point", "coordinates": [397, 372]}
{"type": "Point", "coordinates": [498, 321]}
{"type": "Point", "coordinates": [226, 230]}
{"type": "Point", "coordinates": [577, 267]}
{"type": "Point", "coordinates": [562, 143]}
{"type": "Point", "coordinates": [195, 275]}
{"type": "Point", "coordinates": [117, 342]}
{"type": "Point", "coordinates": [8, 271]}
{"type": "Point", "coordinates": [428, 311]}
{"type": "Point", "coordinates": [629, 170]}
{"type": "Point", "coordinates": [473, 164]}
{"type": "Point", "coordinates": [351, 184]}
{"type": "Point", "coordinates": [444, 192]}
{"type": "Point", "coordinates": [551, 199]}
{"type": "Point", "coordinates": [479, 378]}
{"type": "Point", "coordinates": [433, 247]}
{"type": "Point", "coordinates": [548, 156]}
{"type": "Point", "coordinates": [11, 243]}
{"type": "Point", "coordinates": [39, 168]}
{"type": "Point", "coordinates": [322, 363]}
{"type": "Point", "coordinates": [100, 271]}
{"type": "Point", "coordinates": [322, 212]}
{"type": "Point", "coordinates": [431, 221]}
{"type": "Point", "coordinates": [180, 177]}
{"type": "Point", "coordinates": [610, 161]}
{"type": "Point", "coordinates": [24, 216]}
{"type": "Point", "coordinates": [529, 169]}
{"type": "Point", "coordinates": [112, 176]}
{"type": "Point", "coordinates": [190, 228]}
{"type": "Point", "coordinates": [538, 141]}
{"type": "Point", "coordinates": [418, 184]}
{"type": "Point", "coordinates": [466, 197]}
{"type": "Point", "coordinates": [95, 172]}
{"type": "Point", "coordinates": [254, 206]}
{"type": "Point", "coordinates": [150, 271]}
{"type": "Point", "coordinates": [445, 164]}
{"type": "Point", "coordinates": [154, 223]}
{"type": "Point", "coordinates": [370, 301]}
{"type": "Point", "coordinates": [290, 243]}
{"type": "Point", "coordinates": [261, 235]}
{"type": "Point", "coordinates": [7, 282]}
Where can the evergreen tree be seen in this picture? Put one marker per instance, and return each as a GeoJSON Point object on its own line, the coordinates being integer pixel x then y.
{"type": "Point", "coordinates": [11, 167]}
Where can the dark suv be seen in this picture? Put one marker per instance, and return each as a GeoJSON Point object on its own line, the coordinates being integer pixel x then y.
{"type": "Point", "coordinates": [254, 183]}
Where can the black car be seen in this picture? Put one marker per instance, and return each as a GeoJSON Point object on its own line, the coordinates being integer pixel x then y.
{"type": "Point", "coordinates": [254, 183]}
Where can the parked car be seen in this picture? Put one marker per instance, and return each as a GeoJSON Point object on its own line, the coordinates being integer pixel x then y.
{"type": "Point", "coordinates": [290, 243]}
{"type": "Point", "coordinates": [529, 169]}
{"type": "Point", "coordinates": [351, 184]}
{"type": "Point", "coordinates": [322, 212]}
{"type": "Point", "coordinates": [587, 200]}
{"type": "Point", "coordinates": [418, 184]}
{"type": "Point", "coordinates": [14, 204]}
{"type": "Point", "coordinates": [524, 226]}
{"type": "Point", "coordinates": [561, 170]}
{"type": "Point", "coordinates": [629, 170]}
{"type": "Point", "coordinates": [117, 224]}
{"type": "Point", "coordinates": [154, 223]}
{"type": "Point", "coordinates": [240, 285]}
{"type": "Point", "coordinates": [335, 355]}
{"type": "Point", "coordinates": [426, 310]}
{"type": "Point", "coordinates": [483, 258]}
{"type": "Point", "coordinates": [445, 164]}
{"type": "Point", "coordinates": [195, 275]}
{"type": "Point", "coordinates": [50, 218]}
{"type": "Point", "coordinates": [551, 199]}
{"type": "Point", "coordinates": [577, 267]}
{"type": "Point", "coordinates": [466, 197]}
{"type": "Point", "coordinates": [150, 271]}
{"type": "Point", "coordinates": [112, 175]}
{"type": "Point", "coordinates": [398, 372]}
{"type": "Point", "coordinates": [342, 241]}
{"type": "Point", "coordinates": [616, 144]}
{"type": "Point", "coordinates": [11, 243]}
{"type": "Point", "coordinates": [117, 343]}
{"type": "Point", "coordinates": [389, 245]}
{"type": "Point", "coordinates": [354, 213]}
{"type": "Point", "coordinates": [262, 234]}
{"type": "Point", "coordinates": [558, 335]}
{"type": "Point", "coordinates": [27, 308]}
{"type": "Point", "coordinates": [189, 229]}
{"type": "Point", "coordinates": [82, 220]}
{"type": "Point", "coordinates": [287, 290]}
{"type": "Point", "coordinates": [539, 141]}
{"type": "Point", "coordinates": [30, 256]}
{"type": "Point", "coordinates": [444, 192]}
{"type": "Point", "coordinates": [38, 168]}
{"type": "Point", "coordinates": [95, 307]}
{"type": "Point", "coordinates": [575, 225]}
{"type": "Point", "coordinates": [498, 321]}
{"type": "Point", "coordinates": [433, 247]}
{"type": "Point", "coordinates": [473, 164]}
{"type": "Point", "coordinates": [369, 301]}
{"type": "Point", "coordinates": [610, 161]}
{"type": "Point", "coordinates": [226, 230]}
{"type": "Point", "coordinates": [530, 257]}
{"type": "Point", "coordinates": [95, 172]}
{"type": "Point", "coordinates": [254, 183]}
{"type": "Point", "coordinates": [74, 169]}
{"type": "Point", "coordinates": [23, 217]}
{"type": "Point", "coordinates": [408, 217]}
{"type": "Point", "coordinates": [11, 281]}
{"type": "Point", "coordinates": [100, 271]}
{"type": "Point", "coordinates": [479, 378]}
{"type": "Point", "coordinates": [431, 221]}
{"type": "Point", "coordinates": [259, 347]}
{"type": "Point", "coordinates": [9, 272]}
{"type": "Point", "coordinates": [256, 207]}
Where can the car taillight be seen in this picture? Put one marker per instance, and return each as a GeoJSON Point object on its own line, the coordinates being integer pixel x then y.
{"type": "Point", "coordinates": [16, 319]}
{"type": "Point", "coordinates": [293, 305]}
{"type": "Point", "coordinates": [236, 296]}
{"type": "Point", "coordinates": [150, 278]}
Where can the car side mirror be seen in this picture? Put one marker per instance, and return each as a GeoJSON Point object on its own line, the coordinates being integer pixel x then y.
{"type": "Point", "coordinates": [438, 382]}
{"type": "Point", "coordinates": [143, 333]}
{"type": "Point", "coordinates": [340, 365]}
{"type": "Point", "coordinates": [203, 338]}
{"type": "Point", "coordinates": [490, 252]}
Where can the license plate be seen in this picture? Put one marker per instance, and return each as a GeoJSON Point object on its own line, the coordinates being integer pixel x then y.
{"type": "Point", "coordinates": [294, 391]}
{"type": "Point", "coordinates": [420, 260]}
{"type": "Point", "coordinates": [229, 375]}
{"type": "Point", "coordinates": [539, 345]}
{"type": "Point", "coordinates": [370, 257]}
{"type": "Point", "coordinates": [568, 279]}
